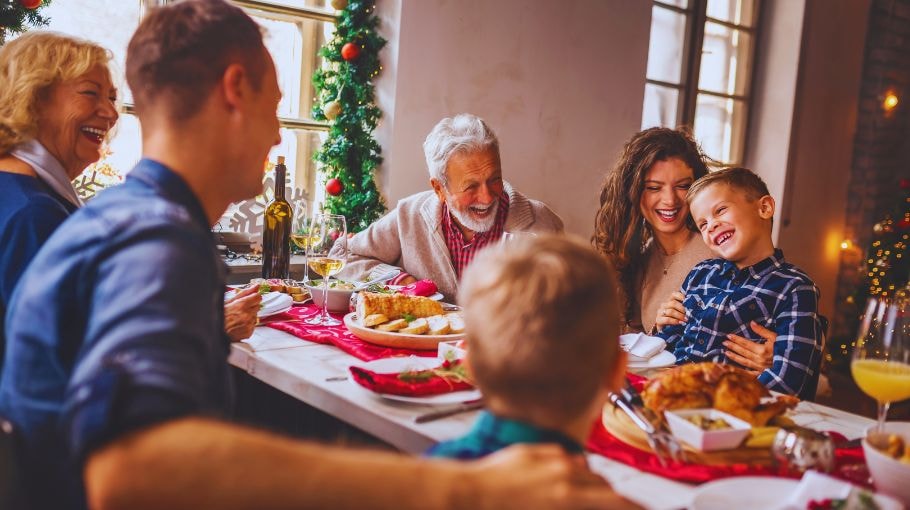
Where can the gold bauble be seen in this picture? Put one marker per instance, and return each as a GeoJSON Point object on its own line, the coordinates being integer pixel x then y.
{"type": "Point", "coordinates": [332, 109]}
{"type": "Point", "coordinates": [339, 5]}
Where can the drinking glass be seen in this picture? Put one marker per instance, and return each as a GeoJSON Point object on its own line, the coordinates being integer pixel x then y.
{"type": "Point", "coordinates": [881, 358]}
{"type": "Point", "coordinates": [300, 233]}
{"type": "Point", "coordinates": [327, 252]}
{"type": "Point", "coordinates": [515, 237]}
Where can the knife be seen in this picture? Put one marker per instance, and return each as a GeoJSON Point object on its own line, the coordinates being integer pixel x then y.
{"type": "Point", "coordinates": [471, 405]}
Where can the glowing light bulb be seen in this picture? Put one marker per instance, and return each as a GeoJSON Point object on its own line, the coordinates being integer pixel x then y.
{"type": "Point", "coordinates": [890, 102]}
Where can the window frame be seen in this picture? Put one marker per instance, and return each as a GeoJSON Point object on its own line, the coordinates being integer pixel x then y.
{"type": "Point", "coordinates": [696, 14]}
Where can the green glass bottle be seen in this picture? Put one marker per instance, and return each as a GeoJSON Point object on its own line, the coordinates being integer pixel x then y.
{"type": "Point", "coordinates": [276, 234]}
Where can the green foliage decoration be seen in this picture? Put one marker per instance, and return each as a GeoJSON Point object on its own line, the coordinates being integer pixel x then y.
{"type": "Point", "coordinates": [15, 18]}
{"type": "Point", "coordinates": [350, 153]}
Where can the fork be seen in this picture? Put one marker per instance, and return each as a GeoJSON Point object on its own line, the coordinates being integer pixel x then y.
{"type": "Point", "coordinates": [662, 442]}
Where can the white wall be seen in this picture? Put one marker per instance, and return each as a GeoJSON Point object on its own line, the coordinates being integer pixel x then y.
{"type": "Point", "coordinates": [560, 81]}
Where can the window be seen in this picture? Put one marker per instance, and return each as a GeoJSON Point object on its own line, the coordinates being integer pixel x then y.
{"type": "Point", "coordinates": [700, 60]}
{"type": "Point", "coordinates": [295, 30]}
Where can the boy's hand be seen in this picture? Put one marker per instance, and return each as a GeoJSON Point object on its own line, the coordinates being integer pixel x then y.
{"type": "Point", "coordinates": [671, 312]}
{"type": "Point", "coordinates": [754, 357]}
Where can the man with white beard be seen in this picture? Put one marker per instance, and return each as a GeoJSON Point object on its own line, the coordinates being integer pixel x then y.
{"type": "Point", "coordinates": [435, 234]}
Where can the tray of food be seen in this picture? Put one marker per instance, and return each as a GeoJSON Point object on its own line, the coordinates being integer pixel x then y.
{"type": "Point", "coordinates": [397, 320]}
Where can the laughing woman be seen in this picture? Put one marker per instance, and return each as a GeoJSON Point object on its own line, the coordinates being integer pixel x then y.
{"type": "Point", "coordinates": [643, 224]}
{"type": "Point", "coordinates": [57, 105]}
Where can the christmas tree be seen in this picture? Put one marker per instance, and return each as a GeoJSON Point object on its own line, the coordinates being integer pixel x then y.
{"type": "Point", "coordinates": [886, 266]}
{"type": "Point", "coordinates": [15, 15]}
{"type": "Point", "coordinates": [350, 154]}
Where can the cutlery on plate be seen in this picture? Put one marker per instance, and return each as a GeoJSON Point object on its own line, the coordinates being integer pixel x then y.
{"type": "Point", "coordinates": [662, 442]}
{"type": "Point", "coordinates": [471, 405]}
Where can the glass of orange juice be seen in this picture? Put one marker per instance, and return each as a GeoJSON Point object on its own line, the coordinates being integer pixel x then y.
{"type": "Point", "coordinates": [881, 358]}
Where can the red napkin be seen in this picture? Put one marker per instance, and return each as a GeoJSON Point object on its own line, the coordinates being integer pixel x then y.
{"type": "Point", "coordinates": [292, 322]}
{"type": "Point", "coordinates": [423, 288]}
{"type": "Point", "coordinates": [392, 384]}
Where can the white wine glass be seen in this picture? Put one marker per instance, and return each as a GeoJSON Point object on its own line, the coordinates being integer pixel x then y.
{"type": "Point", "coordinates": [327, 252]}
{"type": "Point", "coordinates": [300, 233]}
{"type": "Point", "coordinates": [881, 357]}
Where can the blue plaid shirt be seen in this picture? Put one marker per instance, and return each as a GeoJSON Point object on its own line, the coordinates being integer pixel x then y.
{"type": "Point", "coordinates": [492, 433]}
{"type": "Point", "coordinates": [722, 299]}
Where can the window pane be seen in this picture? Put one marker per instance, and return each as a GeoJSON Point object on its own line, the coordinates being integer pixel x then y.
{"type": "Point", "coordinates": [739, 12]}
{"type": "Point", "coordinates": [660, 106]}
{"type": "Point", "coordinates": [112, 29]}
{"type": "Point", "coordinates": [725, 60]}
{"type": "Point", "coordinates": [720, 127]}
{"type": "Point", "coordinates": [297, 146]}
{"type": "Point", "coordinates": [294, 45]}
{"type": "Point", "coordinates": [665, 51]}
{"type": "Point", "coordinates": [318, 4]}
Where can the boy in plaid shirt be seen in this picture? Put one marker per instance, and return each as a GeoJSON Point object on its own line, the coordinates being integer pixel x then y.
{"type": "Point", "coordinates": [750, 283]}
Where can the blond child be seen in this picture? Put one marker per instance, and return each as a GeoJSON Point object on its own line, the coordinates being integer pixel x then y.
{"type": "Point", "coordinates": [542, 340]}
{"type": "Point", "coordinates": [749, 283]}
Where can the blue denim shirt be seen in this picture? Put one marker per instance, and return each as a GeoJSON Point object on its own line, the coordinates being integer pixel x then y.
{"type": "Point", "coordinates": [722, 299]}
{"type": "Point", "coordinates": [492, 433]}
{"type": "Point", "coordinates": [117, 324]}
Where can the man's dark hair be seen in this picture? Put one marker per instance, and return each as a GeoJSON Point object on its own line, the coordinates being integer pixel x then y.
{"type": "Point", "coordinates": [180, 52]}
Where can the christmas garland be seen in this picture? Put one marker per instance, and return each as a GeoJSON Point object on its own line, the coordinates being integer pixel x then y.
{"type": "Point", "coordinates": [345, 97]}
{"type": "Point", "coordinates": [16, 14]}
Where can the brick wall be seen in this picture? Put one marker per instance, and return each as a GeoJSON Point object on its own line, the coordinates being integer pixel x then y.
{"type": "Point", "coordinates": [881, 155]}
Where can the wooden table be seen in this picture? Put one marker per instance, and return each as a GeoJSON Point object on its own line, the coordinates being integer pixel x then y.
{"type": "Point", "coordinates": [310, 372]}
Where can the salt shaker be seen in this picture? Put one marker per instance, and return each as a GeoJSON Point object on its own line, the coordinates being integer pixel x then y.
{"type": "Point", "coordinates": [798, 449]}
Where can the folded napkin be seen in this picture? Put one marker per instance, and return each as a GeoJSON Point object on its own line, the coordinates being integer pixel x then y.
{"type": "Point", "coordinates": [641, 347]}
{"type": "Point", "coordinates": [412, 384]}
{"type": "Point", "coordinates": [817, 490]}
{"type": "Point", "coordinates": [425, 288]}
{"type": "Point", "coordinates": [273, 302]}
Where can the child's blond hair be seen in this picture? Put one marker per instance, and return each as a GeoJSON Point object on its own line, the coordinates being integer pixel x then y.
{"type": "Point", "coordinates": [742, 179]}
{"type": "Point", "coordinates": [542, 324]}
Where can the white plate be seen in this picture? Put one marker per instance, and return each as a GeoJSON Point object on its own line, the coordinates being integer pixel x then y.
{"type": "Point", "coordinates": [744, 493]}
{"type": "Point", "coordinates": [274, 303]}
{"type": "Point", "coordinates": [395, 339]}
{"type": "Point", "coordinates": [664, 359]}
{"type": "Point", "coordinates": [401, 364]}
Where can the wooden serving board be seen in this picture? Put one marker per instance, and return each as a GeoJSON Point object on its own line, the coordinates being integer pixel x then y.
{"type": "Point", "coordinates": [617, 423]}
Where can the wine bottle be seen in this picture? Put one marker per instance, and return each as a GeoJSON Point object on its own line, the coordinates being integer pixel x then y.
{"type": "Point", "coordinates": [276, 235]}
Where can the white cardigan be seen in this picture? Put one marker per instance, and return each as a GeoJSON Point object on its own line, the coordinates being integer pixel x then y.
{"type": "Point", "coordinates": [410, 238]}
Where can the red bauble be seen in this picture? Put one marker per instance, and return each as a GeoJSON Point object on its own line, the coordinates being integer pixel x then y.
{"type": "Point", "coordinates": [30, 4]}
{"type": "Point", "coordinates": [350, 51]}
{"type": "Point", "coordinates": [334, 187]}
{"type": "Point", "coordinates": [904, 224]}
{"type": "Point", "coordinates": [905, 184]}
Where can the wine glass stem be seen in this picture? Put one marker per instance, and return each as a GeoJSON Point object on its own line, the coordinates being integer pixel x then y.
{"type": "Point", "coordinates": [325, 299]}
{"type": "Point", "coordinates": [882, 415]}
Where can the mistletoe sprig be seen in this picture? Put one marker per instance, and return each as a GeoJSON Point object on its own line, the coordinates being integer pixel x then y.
{"type": "Point", "coordinates": [345, 97]}
{"type": "Point", "coordinates": [17, 15]}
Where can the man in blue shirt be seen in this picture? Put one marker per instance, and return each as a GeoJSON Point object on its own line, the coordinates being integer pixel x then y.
{"type": "Point", "coordinates": [750, 283]}
{"type": "Point", "coordinates": [116, 368]}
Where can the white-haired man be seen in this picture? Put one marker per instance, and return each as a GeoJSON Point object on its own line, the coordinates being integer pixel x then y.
{"type": "Point", "coordinates": [435, 234]}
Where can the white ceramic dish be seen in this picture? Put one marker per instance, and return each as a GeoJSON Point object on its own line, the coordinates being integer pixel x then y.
{"type": "Point", "coordinates": [744, 493]}
{"type": "Point", "coordinates": [339, 299]}
{"type": "Point", "coordinates": [274, 303]}
{"type": "Point", "coordinates": [707, 440]}
{"type": "Point", "coordinates": [391, 339]}
{"type": "Point", "coordinates": [401, 364]}
{"type": "Point", "coordinates": [890, 475]}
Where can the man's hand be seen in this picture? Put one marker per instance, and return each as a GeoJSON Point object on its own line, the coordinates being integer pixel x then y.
{"type": "Point", "coordinates": [671, 312]}
{"type": "Point", "coordinates": [240, 314]}
{"type": "Point", "coordinates": [754, 357]}
{"type": "Point", "coordinates": [539, 477]}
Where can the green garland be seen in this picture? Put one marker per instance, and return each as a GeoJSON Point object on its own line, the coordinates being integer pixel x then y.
{"type": "Point", "coordinates": [14, 17]}
{"type": "Point", "coordinates": [345, 96]}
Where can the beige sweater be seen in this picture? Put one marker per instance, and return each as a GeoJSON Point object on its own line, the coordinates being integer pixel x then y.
{"type": "Point", "coordinates": [410, 238]}
{"type": "Point", "coordinates": [655, 285]}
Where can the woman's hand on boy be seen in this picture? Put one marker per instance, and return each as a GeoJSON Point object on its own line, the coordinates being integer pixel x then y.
{"type": "Point", "coordinates": [753, 356]}
{"type": "Point", "coordinates": [671, 312]}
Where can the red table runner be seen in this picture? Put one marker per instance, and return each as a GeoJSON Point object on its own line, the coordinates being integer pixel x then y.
{"type": "Point", "coordinates": [292, 322]}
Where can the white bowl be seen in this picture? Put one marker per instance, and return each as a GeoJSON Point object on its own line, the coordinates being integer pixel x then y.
{"type": "Point", "coordinates": [339, 299]}
{"type": "Point", "coordinates": [890, 475]}
{"type": "Point", "coordinates": [707, 440]}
